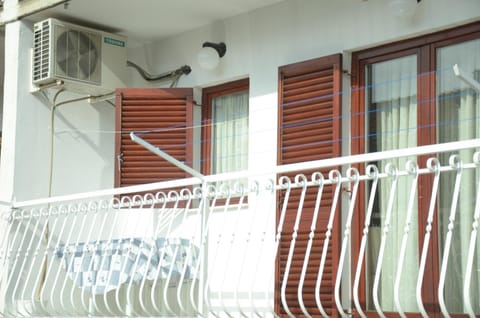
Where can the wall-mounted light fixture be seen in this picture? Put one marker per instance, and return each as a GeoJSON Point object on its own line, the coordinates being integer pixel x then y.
{"type": "Point", "coordinates": [403, 8]}
{"type": "Point", "coordinates": [209, 56]}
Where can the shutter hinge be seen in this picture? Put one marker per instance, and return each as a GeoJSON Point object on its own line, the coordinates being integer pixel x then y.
{"type": "Point", "coordinates": [119, 162]}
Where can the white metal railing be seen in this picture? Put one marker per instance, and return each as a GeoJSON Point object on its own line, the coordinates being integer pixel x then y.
{"type": "Point", "coordinates": [210, 249]}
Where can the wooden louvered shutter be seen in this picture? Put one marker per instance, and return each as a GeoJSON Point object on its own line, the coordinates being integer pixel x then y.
{"type": "Point", "coordinates": [309, 129]}
{"type": "Point", "coordinates": [166, 116]}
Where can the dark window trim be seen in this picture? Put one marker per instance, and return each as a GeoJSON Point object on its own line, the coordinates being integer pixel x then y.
{"type": "Point", "coordinates": [467, 30]}
{"type": "Point", "coordinates": [425, 47]}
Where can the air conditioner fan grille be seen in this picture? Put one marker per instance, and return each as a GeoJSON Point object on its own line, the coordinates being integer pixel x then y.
{"type": "Point", "coordinates": [78, 55]}
{"type": "Point", "coordinates": [41, 52]}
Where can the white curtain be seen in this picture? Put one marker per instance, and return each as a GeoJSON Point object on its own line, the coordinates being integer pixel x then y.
{"type": "Point", "coordinates": [392, 102]}
{"type": "Point", "coordinates": [230, 133]}
{"type": "Point", "coordinates": [458, 109]}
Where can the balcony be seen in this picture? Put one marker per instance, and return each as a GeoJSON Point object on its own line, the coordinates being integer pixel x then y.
{"type": "Point", "coordinates": [374, 234]}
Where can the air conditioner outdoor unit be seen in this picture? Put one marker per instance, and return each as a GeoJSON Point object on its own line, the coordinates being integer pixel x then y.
{"type": "Point", "coordinates": [87, 61]}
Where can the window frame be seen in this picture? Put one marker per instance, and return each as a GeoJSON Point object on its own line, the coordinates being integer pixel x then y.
{"type": "Point", "coordinates": [208, 95]}
{"type": "Point", "coordinates": [425, 48]}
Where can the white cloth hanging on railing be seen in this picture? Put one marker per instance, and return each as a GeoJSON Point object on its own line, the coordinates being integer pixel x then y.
{"type": "Point", "coordinates": [102, 266]}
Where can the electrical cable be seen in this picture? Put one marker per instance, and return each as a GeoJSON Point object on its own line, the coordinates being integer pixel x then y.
{"type": "Point", "coordinates": [183, 70]}
{"type": "Point", "coordinates": [53, 106]}
{"type": "Point", "coordinates": [52, 132]}
{"type": "Point", "coordinates": [110, 102]}
{"type": "Point", "coordinates": [43, 270]}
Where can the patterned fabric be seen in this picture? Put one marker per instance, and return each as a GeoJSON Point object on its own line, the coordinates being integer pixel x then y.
{"type": "Point", "coordinates": [102, 266]}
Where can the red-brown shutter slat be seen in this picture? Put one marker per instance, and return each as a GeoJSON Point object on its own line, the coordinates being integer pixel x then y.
{"type": "Point", "coordinates": [309, 129]}
{"type": "Point", "coordinates": [165, 115]}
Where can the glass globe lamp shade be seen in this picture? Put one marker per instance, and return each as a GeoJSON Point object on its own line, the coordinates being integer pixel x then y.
{"type": "Point", "coordinates": [208, 58]}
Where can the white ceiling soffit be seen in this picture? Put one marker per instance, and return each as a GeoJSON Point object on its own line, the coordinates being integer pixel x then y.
{"type": "Point", "coordinates": [149, 20]}
{"type": "Point", "coordinates": [11, 11]}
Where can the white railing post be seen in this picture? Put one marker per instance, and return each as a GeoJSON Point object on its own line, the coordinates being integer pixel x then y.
{"type": "Point", "coordinates": [205, 219]}
{"type": "Point", "coordinates": [471, 249]}
{"type": "Point", "coordinates": [393, 173]}
{"type": "Point", "coordinates": [434, 166]}
{"type": "Point", "coordinates": [284, 184]}
{"type": "Point", "coordinates": [412, 168]}
{"type": "Point", "coordinates": [373, 174]}
{"type": "Point", "coordinates": [6, 221]}
{"type": "Point", "coordinates": [354, 177]}
{"type": "Point", "coordinates": [301, 180]}
{"type": "Point", "coordinates": [318, 180]}
{"type": "Point", "coordinates": [456, 163]}
{"type": "Point", "coordinates": [335, 178]}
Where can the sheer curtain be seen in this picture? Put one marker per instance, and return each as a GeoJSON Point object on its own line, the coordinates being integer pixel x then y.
{"type": "Point", "coordinates": [392, 122]}
{"type": "Point", "coordinates": [230, 133]}
{"type": "Point", "coordinates": [458, 109]}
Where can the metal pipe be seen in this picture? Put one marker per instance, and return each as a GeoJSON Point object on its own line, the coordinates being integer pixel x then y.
{"type": "Point", "coordinates": [183, 70]}
{"type": "Point", "coordinates": [165, 156]}
{"type": "Point", "coordinates": [466, 78]}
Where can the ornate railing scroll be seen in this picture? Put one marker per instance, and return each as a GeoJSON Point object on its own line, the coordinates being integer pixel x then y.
{"type": "Point", "coordinates": [211, 249]}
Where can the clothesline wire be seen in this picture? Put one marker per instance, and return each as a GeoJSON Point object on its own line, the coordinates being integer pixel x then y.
{"type": "Point", "coordinates": [205, 123]}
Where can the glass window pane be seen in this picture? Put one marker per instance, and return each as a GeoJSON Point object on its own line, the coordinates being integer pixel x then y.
{"type": "Point", "coordinates": [230, 133]}
{"type": "Point", "coordinates": [458, 111]}
{"type": "Point", "coordinates": [392, 104]}
{"type": "Point", "coordinates": [457, 103]}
